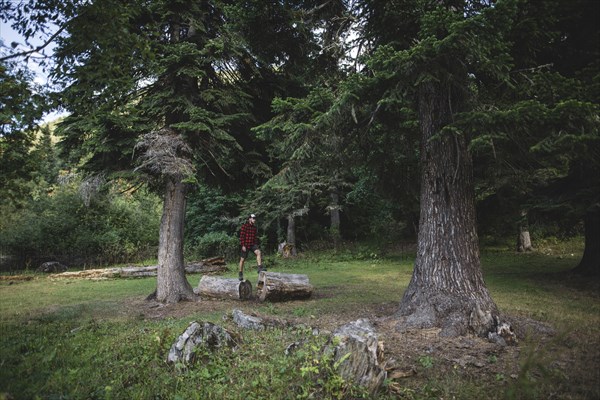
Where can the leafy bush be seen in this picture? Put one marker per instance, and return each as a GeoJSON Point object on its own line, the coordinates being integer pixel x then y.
{"type": "Point", "coordinates": [112, 228]}
{"type": "Point", "coordinates": [214, 244]}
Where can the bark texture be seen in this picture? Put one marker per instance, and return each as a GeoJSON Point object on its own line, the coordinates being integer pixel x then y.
{"type": "Point", "coordinates": [277, 286]}
{"type": "Point", "coordinates": [447, 289]}
{"type": "Point", "coordinates": [590, 262]}
{"type": "Point", "coordinates": [358, 354]}
{"type": "Point", "coordinates": [171, 283]}
{"type": "Point", "coordinates": [206, 334]}
{"type": "Point", "coordinates": [290, 246]}
{"type": "Point", "coordinates": [223, 288]}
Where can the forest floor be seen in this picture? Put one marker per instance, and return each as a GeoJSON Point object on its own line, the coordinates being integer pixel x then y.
{"type": "Point", "coordinates": [418, 359]}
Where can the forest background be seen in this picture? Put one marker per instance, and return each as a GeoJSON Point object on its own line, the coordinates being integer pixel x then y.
{"type": "Point", "coordinates": [358, 127]}
{"type": "Point", "coordinates": [308, 121]}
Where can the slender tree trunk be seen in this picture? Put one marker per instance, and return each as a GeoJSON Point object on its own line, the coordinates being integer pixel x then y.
{"type": "Point", "coordinates": [171, 283]}
{"type": "Point", "coordinates": [334, 213]}
{"type": "Point", "coordinates": [290, 249]}
{"type": "Point", "coordinates": [590, 262]}
{"type": "Point", "coordinates": [524, 239]}
{"type": "Point", "coordinates": [447, 289]}
{"type": "Point", "coordinates": [291, 230]}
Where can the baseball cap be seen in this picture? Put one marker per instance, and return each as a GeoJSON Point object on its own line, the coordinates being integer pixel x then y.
{"type": "Point", "coordinates": [252, 216]}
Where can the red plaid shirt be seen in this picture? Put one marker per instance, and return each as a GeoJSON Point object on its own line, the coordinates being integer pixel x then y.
{"type": "Point", "coordinates": [248, 235]}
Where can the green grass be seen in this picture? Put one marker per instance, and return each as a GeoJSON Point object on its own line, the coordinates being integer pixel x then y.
{"type": "Point", "coordinates": [82, 339]}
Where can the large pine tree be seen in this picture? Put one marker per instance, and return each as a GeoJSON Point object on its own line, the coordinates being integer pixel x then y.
{"type": "Point", "coordinates": [168, 89]}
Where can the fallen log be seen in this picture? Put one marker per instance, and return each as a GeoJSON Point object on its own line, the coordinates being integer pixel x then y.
{"type": "Point", "coordinates": [277, 286]}
{"type": "Point", "coordinates": [137, 272]}
{"type": "Point", "coordinates": [101, 273]}
{"type": "Point", "coordinates": [15, 278]}
{"type": "Point", "coordinates": [207, 266]}
{"type": "Point", "coordinates": [224, 288]}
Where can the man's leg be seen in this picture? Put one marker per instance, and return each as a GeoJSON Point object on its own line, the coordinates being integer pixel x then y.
{"type": "Point", "coordinates": [259, 261]}
{"type": "Point", "coordinates": [241, 274]}
{"type": "Point", "coordinates": [258, 256]}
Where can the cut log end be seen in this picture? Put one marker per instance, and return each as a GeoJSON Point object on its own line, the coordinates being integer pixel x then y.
{"type": "Point", "coordinates": [277, 286]}
{"type": "Point", "coordinates": [224, 288]}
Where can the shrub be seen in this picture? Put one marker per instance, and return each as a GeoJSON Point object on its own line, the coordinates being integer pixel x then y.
{"type": "Point", "coordinates": [214, 244]}
{"type": "Point", "coordinates": [110, 229]}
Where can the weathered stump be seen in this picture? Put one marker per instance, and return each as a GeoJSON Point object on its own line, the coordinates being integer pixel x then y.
{"type": "Point", "coordinates": [359, 354]}
{"type": "Point", "coordinates": [254, 322]}
{"type": "Point", "coordinates": [196, 335]}
{"type": "Point", "coordinates": [224, 288]}
{"type": "Point", "coordinates": [277, 286]}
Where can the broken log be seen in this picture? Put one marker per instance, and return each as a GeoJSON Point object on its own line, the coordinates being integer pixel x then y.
{"type": "Point", "coordinates": [224, 288]}
{"type": "Point", "coordinates": [277, 286]}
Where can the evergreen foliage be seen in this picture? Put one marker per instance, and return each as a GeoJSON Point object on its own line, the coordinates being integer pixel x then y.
{"type": "Point", "coordinates": [282, 104]}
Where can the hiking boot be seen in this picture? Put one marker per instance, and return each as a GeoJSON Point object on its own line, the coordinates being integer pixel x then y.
{"type": "Point", "coordinates": [261, 268]}
{"type": "Point", "coordinates": [241, 276]}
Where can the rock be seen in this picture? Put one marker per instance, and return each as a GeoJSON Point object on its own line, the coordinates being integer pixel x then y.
{"type": "Point", "coordinates": [359, 354]}
{"type": "Point", "coordinates": [196, 335]}
{"type": "Point", "coordinates": [52, 267]}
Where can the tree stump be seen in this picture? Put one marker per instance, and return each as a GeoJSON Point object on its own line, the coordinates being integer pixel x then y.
{"type": "Point", "coordinates": [224, 288]}
{"type": "Point", "coordinates": [277, 286]}
{"type": "Point", "coordinates": [199, 334]}
{"type": "Point", "coordinates": [358, 354]}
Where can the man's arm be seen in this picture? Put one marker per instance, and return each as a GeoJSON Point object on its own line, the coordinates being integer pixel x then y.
{"type": "Point", "coordinates": [243, 234]}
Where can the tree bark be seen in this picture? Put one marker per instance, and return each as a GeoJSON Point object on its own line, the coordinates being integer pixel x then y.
{"type": "Point", "coordinates": [590, 262]}
{"type": "Point", "coordinates": [222, 288]}
{"type": "Point", "coordinates": [290, 247]}
{"type": "Point", "coordinates": [171, 283]}
{"type": "Point", "coordinates": [277, 286]}
{"type": "Point", "coordinates": [358, 354]}
{"type": "Point", "coordinates": [447, 289]}
{"type": "Point", "coordinates": [334, 213]}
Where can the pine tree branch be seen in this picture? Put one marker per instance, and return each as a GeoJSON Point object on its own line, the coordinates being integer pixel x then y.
{"type": "Point", "coordinates": [37, 49]}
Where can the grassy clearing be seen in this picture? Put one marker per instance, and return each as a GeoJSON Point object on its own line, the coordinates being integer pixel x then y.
{"type": "Point", "coordinates": [96, 340]}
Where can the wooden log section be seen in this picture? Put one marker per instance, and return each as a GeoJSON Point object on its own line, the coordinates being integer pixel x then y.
{"type": "Point", "coordinates": [224, 288]}
{"type": "Point", "coordinates": [208, 266]}
{"type": "Point", "coordinates": [277, 286]}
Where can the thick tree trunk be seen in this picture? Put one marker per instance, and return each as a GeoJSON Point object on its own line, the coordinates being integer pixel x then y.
{"type": "Point", "coordinates": [590, 262]}
{"type": "Point", "coordinates": [171, 283]}
{"type": "Point", "coordinates": [447, 289]}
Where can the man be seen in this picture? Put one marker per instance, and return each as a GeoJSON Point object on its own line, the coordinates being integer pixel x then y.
{"type": "Point", "coordinates": [249, 243]}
